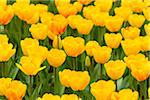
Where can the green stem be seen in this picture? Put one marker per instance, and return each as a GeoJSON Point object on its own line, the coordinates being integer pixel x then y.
{"type": "Point", "coordinates": [100, 71]}
{"type": "Point", "coordinates": [143, 90]}
{"type": "Point", "coordinates": [31, 84]}
{"type": "Point", "coordinates": [74, 63]}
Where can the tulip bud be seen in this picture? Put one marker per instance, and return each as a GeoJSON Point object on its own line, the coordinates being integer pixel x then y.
{"type": "Point", "coordinates": [57, 42]}
{"type": "Point", "coordinates": [87, 61]}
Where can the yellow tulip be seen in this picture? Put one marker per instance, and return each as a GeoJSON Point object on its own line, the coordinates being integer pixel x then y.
{"type": "Point", "coordinates": [74, 20]}
{"type": "Point", "coordinates": [113, 40]}
{"type": "Point", "coordinates": [130, 32]}
{"type": "Point", "coordinates": [147, 2]}
{"type": "Point", "coordinates": [27, 44]}
{"type": "Point", "coordinates": [23, 1]}
{"type": "Point", "coordinates": [56, 57]}
{"type": "Point", "coordinates": [136, 20]}
{"type": "Point", "coordinates": [147, 29]}
{"type": "Point", "coordinates": [3, 39]}
{"type": "Point", "coordinates": [30, 65]}
{"type": "Point", "coordinates": [126, 3]}
{"type": "Point", "coordinates": [61, 2]}
{"type": "Point", "coordinates": [135, 60]}
{"type": "Point", "coordinates": [6, 14]}
{"type": "Point", "coordinates": [47, 96]}
{"type": "Point", "coordinates": [73, 46]}
{"type": "Point", "coordinates": [99, 18]}
{"type": "Point", "coordinates": [39, 31]}
{"type": "Point", "coordinates": [3, 3]}
{"type": "Point", "coordinates": [77, 80]}
{"type": "Point", "coordinates": [125, 94]}
{"type": "Point", "coordinates": [123, 12]}
{"type": "Point", "coordinates": [85, 26]}
{"type": "Point", "coordinates": [78, 6]}
{"type": "Point", "coordinates": [16, 90]}
{"type": "Point", "coordinates": [102, 89]}
{"type": "Point", "coordinates": [5, 83]}
{"type": "Point", "coordinates": [145, 43]}
{"type": "Point", "coordinates": [46, 17]}
{"type": "Point", "coordinates": [69, 97]}
{"type": "Point", "coordinates": [57, 42]}
{"type": "Point", "coordinates": [104, 5]}
{"type": "Point", "coordinates": [85, 2]}
{"type": "Point", "coordinates": [90, 46]}
{"type": "Point", "coordinates": [131, 47]}
{"type": "Point", "coordinates": [42, 8]}
{"type": "Point", "coordinates": [114, 23]}
{"type": "Point", "coordinates": [146, 13]}
{"type": "Point", "coordinates": [102, 54]}
{"type": "Point", "coordinates": [115, 69]}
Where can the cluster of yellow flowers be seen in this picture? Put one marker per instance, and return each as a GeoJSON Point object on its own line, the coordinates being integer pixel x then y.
{"type": "Point", "coordinates": [12, 89]}
{"type": "Point", "coordinates": [56, 97]}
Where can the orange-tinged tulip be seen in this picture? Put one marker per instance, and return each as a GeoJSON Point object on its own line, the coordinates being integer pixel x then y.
{"type": "Point", "coordinates": [50, 96]}
{"type": "Point", "coordinates": [113, 40]}
{"type": "Point", "coordinates": [104, 5]}
{"type": "Point", "coordinates": [85, 2]}
{"type": "Point", "coordinates": [102, 54]}
{"type": "Point", "coordinates": [78, 6]}
{"type": "Point", "coordinates": [114, 23]}
{"type": "Point", "coordinates": [73, 46]}
{"type": "Point", "coordinates": [30, 65]}
{"type": "Point", "coordinates": [145, 43]}
{"type": "Point", "coordinates": [69, 97]}
{"type": "Point", "coordinates": [56, 57]}
{"type": "Point", "coordinates": [125, 94]}
{"type": "Point", "coordinates": [77, 80]}
{"type": "Point", "coordinates": [6, 14]}
{"type": "Point", "coordinates": [39, 31]}
{"type": "Point", "coordinates": [131, 47]}
{"type": "Point", "coordinates": [85, 26]}
{"type": "Point", "coordinates": [115, 69]}
{"type": "Point", "coordinates": [16, 90]}
{"type": "Point", "coordinates": [136, 20]}
{"type": "Point", "coordinates": [27, 44]}
{"type": "Point", "coordinates": [46, 17]}
{"type": "Point", "coordinates": [147, 29]}
{"type": "Point", "coordinates": [123, 12]}
{"type": "Point", "coordinates": [102, 89]}
{"type": "Point", "coordinates": [130, 32]}
{"type": "Point", "coordinates": [90, 46]}
{"type": "Point", "coordinates": [61, 2]}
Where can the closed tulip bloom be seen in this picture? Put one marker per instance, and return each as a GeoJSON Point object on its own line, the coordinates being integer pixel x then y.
{"type": "Point", "coordinates": [74, 20]}
{"type": "Point", "coordinates": [6, 14]}
{"type": "Point", "coordinates": [5, 83]}
{"type": "Point", "coordinates": [46, 17]}
{"type": "Point", "coordinates": [102, 54]}
{"type": "Point", "coordinates": [61, 2]}
{"type": "Point", "coordinates": [146, 13]}
{"type": "Point", "coordinates": [125, 94]}
{"type": "Point", "coordinates": [3, 3]}
{"type": "Point", "coordinates": [73, 46]}
{"type": "Point", "coordinates": [104, 5]}
{"type": "Point", "coordinates": [56, 57]}
{"type": "Point", "coordinates": [85, 26]}
{"type": "Point", "coordinates": [39, 31]}
{"type": "Point", "coordinates": [85, 2]}
{"type": "Point", "coordinates": [145, 43]}
{"type": "Point", "coordinates": [135, 59]}
{"type": "Point", "coordinates": [131, 47]}
{"type": "Point", "coordinates": [123, 12]}
{"type": "Point", "coordinates": [57, 42]}
{"type": "Point", "coordinates": [102, 89]}
{"type": "Point", "coordinates": [136, 20]}
{"type": "Point", "coordinates": [90, 46]}
{"type": "Point", "coordinates": [115, 69]}
{"type": "Point", "coordinates": [113, 40]}
{"type": "Point", "coordinates": [63, 10]}
{"type": "Point", "coordinates": [78, 6]}
{"type": "Point", "coordinates": [141, 71]}
{"type": "Point", "coordinates": [114, 23]}
{"type": "Point", "coordinates": [30, 65]}
{"type": "Point", "coordinates": [147, 2]}
{"type": "Point", "coordinates": [147, 29]}
{"type": "Point", "coordinates": [42, 8]}
{"type": "Point", "coordinates": [126, 3]}
{"type": "Point", "coordinates": [16, 90]}
{"type": "Point", "coordinates": [69, 97]}
{"type": "Point", "coordinates": [3, 39]}
{"type": "Point", "coordinates": [77, 80]}
{"type": "Point", "coordinates": [130, 32]}
{"type": "Point", "coordinates": [27, 44]}
{"type": "Point", "coordinates": [99, 18]}
{"type": "Point", "coordinates": [47, 96]}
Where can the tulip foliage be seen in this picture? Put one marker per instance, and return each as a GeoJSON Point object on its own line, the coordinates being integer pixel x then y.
{"type": "Point", "coordinates": [74, 49]}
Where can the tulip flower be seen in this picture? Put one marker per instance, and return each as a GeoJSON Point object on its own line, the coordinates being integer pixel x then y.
{"type": "Point", "coordinates": [69, 97]}
{"type": "Point", "coordinates": [39, 31]}
{"type": "Point", "coordinates": [47, 96]}
{"type": "Point", "coordinates": [57, 42]}
{"type": "Point", "coordinates": [113, 40]}
{"type": "Point", "coordinates": [73, 46]}
{"type": "Point", "coordinates": [146, 13]}
{"type": "Point", "coordinates": [23, 1]}
{"type": "Point", "coordinates": [115, 69]}
{"type": "Point", "coordinates": [30, 65]}
{"type": "Point", "coordinates": [3, 3]}
{"type": "Point", "coordinates": [125, 94]}
{"type": "Point", "coordinates": [71, 79]}
{"type": "Point", "coordinates": [147, 29]}
{"type": "Point", "coordinates": [130, 32]}
{"type": "Point", "coordinates": [46, 17]}
{"type": "Point", "coordinates": [102, 89]}
{"type": "Point", "coordinates": [56, 57]}
{"type": "Point", "coordinates": [78, 6]}
{"type": "Point", "coordinates": [61, 2]}
{"type": "Point", "coordinates": [90, 46]}
{"type": "Point", "coordinates": [136, 20]}
{"type": "Point", "coordinates": [85, 2]}
{"type": "Point", "coordinates": [102, 54]}
{"type": "Point", "coordinates": [131, 47]}
{"type": "Point", "coordinates": [145, 43]}
{"type": "Point", "coordinates": [114, 23]}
